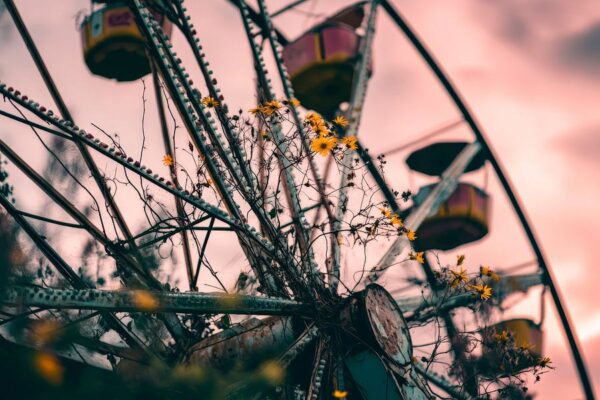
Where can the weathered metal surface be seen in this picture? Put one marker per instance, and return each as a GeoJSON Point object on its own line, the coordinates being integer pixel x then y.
{"type": "Point", "coordinates": [246, 344]}
{"type": "Point", "coordinates": [150, 301]}
{"type": "Point", "coordinates": [387, 325]}
{"type": "Point", "coordinates": [373, 318]}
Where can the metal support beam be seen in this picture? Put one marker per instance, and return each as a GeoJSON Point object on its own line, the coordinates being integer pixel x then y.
{"type": "Point", "coordinates": [152, 301]}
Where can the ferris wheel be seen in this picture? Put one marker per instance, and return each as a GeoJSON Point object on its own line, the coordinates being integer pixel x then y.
{"type": "Point", "coordinates": [296, 192]}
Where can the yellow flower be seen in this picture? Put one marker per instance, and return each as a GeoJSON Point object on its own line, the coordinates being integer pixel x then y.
{"type": "Point", "coordinates": [314, 119]}
{"type": "Point", "coordinates": [484, 291]}
{"type": "Point", "coordinates": [544, 362]}
{"type": "Point", "coordinates": [271, 106]}
{"type": "Point", "coordinates": [340, 121]}
{"type": "Point", "coordinates": [503, 337]}
{"type": "Point", "coordinates": [49, 368]}
{"type": "Point", "coordinates": [340, 394]}
{"type": "Point", "coordinates": [460, 259]}
{"type": "Point", "coordinates": [322, 130]}
{"type": "Point", "coordinates": [386, 212]}
{"type": "Point", "coordinates": [418, 256]}
{"type": "Point", "coordinates": [256, 110]}
{"type": "Point", "coordinates": [323, 145]}
{"type": "Point", "coordinates": [526, 346]}
{"type": "Point", "coordinates": [396, 220]}
{"type": "Point", "coordinates": [168, 160]}
{"type": "Point", "coordinates": [350, 142]}
{"type": "Point", "coordinates": [458, 277]}
{"type": "Point", "coordinates": [45, 331]}
{"type": "Point", "coordinates": [145, 301]}
{"type": "Point", "coordinates": [294, 102]}
{"type": "Point", "coordinates": [210, 102]}
{"type": "Point", "coordinates": [411, 235]}
{"type": "Point", "coordinates": [486, 271]}
{"type": "Point", "coordinates": [273, 372]}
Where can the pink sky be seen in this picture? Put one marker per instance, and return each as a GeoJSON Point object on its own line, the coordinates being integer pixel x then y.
{"type": "Point", "coordinates": [529, 70]}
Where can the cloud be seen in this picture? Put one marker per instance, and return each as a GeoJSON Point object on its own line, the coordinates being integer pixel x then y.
{"type": "Point", "coordinates": [582, 144]}
{"type": "Point", "coordinates": [582, 49]}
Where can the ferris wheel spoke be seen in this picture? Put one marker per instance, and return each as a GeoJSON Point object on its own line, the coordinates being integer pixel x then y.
{"type": "Point", "coordinates": [425, 136]}
{"type": "Point", "coordinates": [172, 73]}
{"type": "Point", "coordinates": [285, 165]}
{"type": "Point", "coordinates": [133, 273]}
{"type": "Point", "coordinates": [289, 93]}
{"type": "Point", "coordinates": [214, 91]}
{"type": "Point", "coordinates": [354, 113]}
{"type": "Point", "coordinates": [432, 202]}
{"type": "Point", "coordinates": [231, 134]}
{"type": "Point", "coordinates": [306, 338]}
{"type": "Point", "coordinates": [155, 302]}
{"type": "Point", "coordinates": [251, 191]}
{"type": "Point", "coordinates": [165, 58]}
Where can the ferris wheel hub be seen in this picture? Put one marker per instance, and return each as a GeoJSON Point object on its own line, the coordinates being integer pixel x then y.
{"type": "Point", "coordinates": [374, 318]}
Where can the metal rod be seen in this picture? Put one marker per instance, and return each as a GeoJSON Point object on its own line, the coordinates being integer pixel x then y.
{"type": "Point", "coordinates": [565, 319]}
{"type": "Point", "coordinates": [202, 252]}
{"type": "Point", "coordinates": [121, 159]}
{"type": "Point", "coordinates": [35, 125]}
{"type": "Point", "coordinates": [259, 21]}
{"type": "Point", "coordinates": [152, 301]}
{"type": "Point", "coordinates": [287, 8]}
{"type": "Point", "coordinates": [49, 220]}
{"type": "Point", "coordinates": [37, 59]}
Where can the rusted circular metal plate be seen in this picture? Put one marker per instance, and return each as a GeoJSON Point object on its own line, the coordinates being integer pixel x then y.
{"type": "Point", "coordinates": [387, 325]}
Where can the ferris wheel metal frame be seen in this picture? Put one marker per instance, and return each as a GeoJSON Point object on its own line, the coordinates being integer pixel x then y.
{"type": "Point", "coordinates": [166, 65]}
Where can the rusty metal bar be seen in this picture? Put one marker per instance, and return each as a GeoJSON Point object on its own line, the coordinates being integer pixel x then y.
{"type": "Point", "coordinates": [152, 301]}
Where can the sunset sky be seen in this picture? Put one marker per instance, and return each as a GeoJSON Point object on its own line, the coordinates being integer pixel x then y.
{"type": "Point", "coordinates": [530, 70]}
